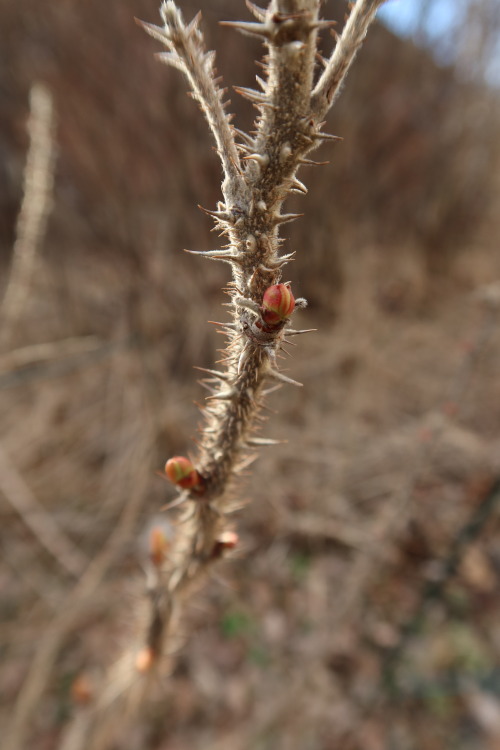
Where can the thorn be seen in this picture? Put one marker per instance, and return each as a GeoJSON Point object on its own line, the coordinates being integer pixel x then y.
{"type": "Point", "coordinates": [243, 148]}
{"type": "Point", "coordinates": [207, 386]}
{"type": "Point", "coordinates": [283, 349]}
{"type": "Point", "coordinates": [249, 29]}
{"type": "Point", "coordinates": [322, 25]}
{"type": "Point", "coordinates": [245, 353]}
{"type": "Point", "coordinates": [261, 83]}
{"type": "Point", "coordinates": [209, 62]}
{"type": "Point", "coordinates": [225, 332]}
{"type": "Point", "coordinates": [293, 332]}
{"type": "Point", "coordinates": [321, 59]}
{"type": "Point", "coordinates": [272, 389]}
{"type": "Point", "coordinates": [326, 137]}
{"type": "Point", "coordinates": [223, 395]}
{"type": "Point", "coordinates": [225, 255]}
{"type": "Point", "coordinates": [264, 441]}
{"type": "Point", "coordinates": [279, 262]}
{"type": "Point", "coordinates": [175, 503]}
{"type": "Point", "coordinates": [296, 186]}
{"type": "Point", "coordinates": [209, 412]}
{"type": "Point", "coordinates": [170, 58]}
{"type": "Point", "coordinates": [284, 218]}
{"type": "Point", "coordinates": [312, 163]}
{"type": "Point", "coordinates": [157, 32]}
{"type": "Point", "coordinates": [222, 216]}
{"type": "Point", "coordinates": [219, 323]}
{"type": "Point", "coordinates": [245, 463]}
{"type": "Point", "coordinates": [194, 24]}
{"type": "Point", "coordinates": [276, 375]}
{"type": "Point", "coordinates": [259, 13]}
{"type": "Point", "coordinates": [282, 17]}
{"type": "Point", "coordinates": [261, 159]}
{"type": "Point", "coordinates": [261, 418]}
{"type": "Point", "coordinates": [253, 95]}
{"type": "Point", "coordinates": [215, 373]}
{"type": "Point", "coordinates": [249, 141]}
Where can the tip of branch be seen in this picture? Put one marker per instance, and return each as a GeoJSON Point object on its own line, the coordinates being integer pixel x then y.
{"type": "Point", "coordinates": [157, 32]}
{"type": "Point", "coordinates": [259, 13]}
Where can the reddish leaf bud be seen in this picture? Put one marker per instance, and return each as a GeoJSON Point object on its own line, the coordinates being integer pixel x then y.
{"type": "Point", "coordinates": [144, 659]}
{"type": "Point", "coordinates": [158, 545]}
{"type": "Point", "coordinates": [181, 472]}
{"type": "Point", "coordinates": [278, 304]}
{"type": "Point", "coordinates": [227, 540]}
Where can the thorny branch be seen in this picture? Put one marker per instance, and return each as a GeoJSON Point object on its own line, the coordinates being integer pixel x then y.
{"type": "Point", "coordinates": [259, 174]}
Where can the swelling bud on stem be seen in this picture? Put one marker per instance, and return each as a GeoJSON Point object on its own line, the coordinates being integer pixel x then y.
{"type": "Point", "coordinates": [158, 546]}
{"type": "Point", "coordinates": [278, 304]}
{"type": "Point", "coordinates": [225, 542]}
{"type": "Point", "coordinates": [182, 473]}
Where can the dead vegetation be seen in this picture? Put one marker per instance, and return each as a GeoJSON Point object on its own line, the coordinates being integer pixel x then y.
{"type": "Point", "coordinates": [343, 622]}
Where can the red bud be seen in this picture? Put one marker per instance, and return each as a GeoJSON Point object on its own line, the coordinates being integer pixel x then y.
{"type": "Point", "coordinates": [278, 304]}
{"type": "Point", "coordinates": [158, 545]}
{"type": "Point", "coordinates": [144, 659]}
{"type": "Point", "coordinates": [181, 472]}
{"type": "Point", "coordinates": [227, 540]}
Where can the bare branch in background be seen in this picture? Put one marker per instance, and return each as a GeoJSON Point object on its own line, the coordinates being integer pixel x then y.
{"type": "Point", "coordinates": [35, 208]}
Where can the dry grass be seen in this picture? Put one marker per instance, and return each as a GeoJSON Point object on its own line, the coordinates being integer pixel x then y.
{"type": "Point", "coordinates": [392, 444]}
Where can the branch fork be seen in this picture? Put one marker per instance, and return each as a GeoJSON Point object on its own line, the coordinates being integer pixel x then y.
{"type": "Point", "coordinates": [259, 174]}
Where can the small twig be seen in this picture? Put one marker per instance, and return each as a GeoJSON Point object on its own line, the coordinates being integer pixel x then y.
{"type": "Point", "coordinates": [348, 44]}
{"type": "Point", "coordinates": [50, 350]}
{"type": "Point", "coordinates": [188, 54]}
{"type": "Point", "coordinates": [35, 368]}
{"type": "Point", "coordinates": [35, 207]}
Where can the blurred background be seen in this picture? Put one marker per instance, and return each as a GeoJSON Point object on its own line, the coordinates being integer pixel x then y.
{"type": "Point", "coordinates": [362, 609]}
